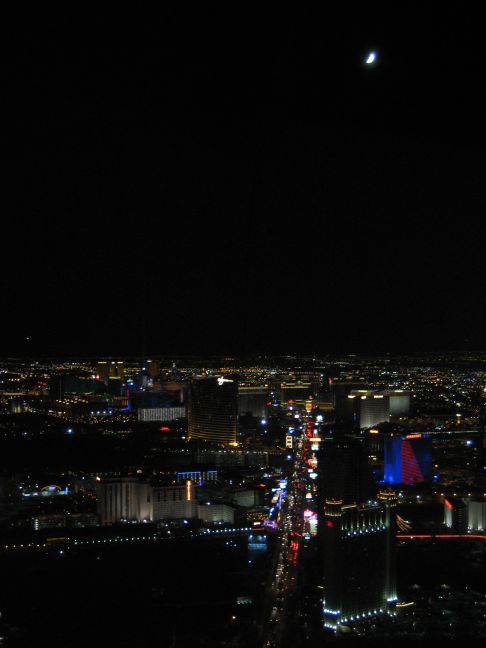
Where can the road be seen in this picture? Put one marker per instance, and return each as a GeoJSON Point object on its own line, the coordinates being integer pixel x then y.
{"type": "Point", "coordinates": [280, 606]}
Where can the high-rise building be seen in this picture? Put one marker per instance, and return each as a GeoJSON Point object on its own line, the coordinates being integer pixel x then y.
{"type": "Point", "coordinates": [153, 368]}
{"type": "Point", "coordinates": [343, 468]}
{"type": "Point", "coordinates": [476, 514]}
{"type": "Point", "coordinates": [374, 408]}
{"type": "Point", "coordinates": [359, 580]}
{"type": "Point", "coordinates": [213, 410]}
{"type": "Point", "coordinates": [113, 369]}
{"type": "Point", "coordinates": [399, 402]}
{"type": "Point", "coordinates": [408, 458]}
{"type": "Point", "coordinates": [252, 399]}
{"type": "Point", "coordinates": [456, 514]}
{"type": "Point", "coordinates": [463, 515]}
{"type": "Point", "coordinates": [346, 406]}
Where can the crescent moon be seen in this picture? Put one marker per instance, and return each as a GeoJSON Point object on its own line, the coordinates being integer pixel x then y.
{"type": "Point", "coordinates": [371, 58]}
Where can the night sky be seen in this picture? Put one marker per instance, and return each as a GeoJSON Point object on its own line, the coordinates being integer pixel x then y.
{"type": "Point", "coordinates": [243, 183]}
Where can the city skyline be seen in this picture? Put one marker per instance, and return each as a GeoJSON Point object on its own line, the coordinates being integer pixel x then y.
{"type": "Point", "coordinates": [242, 350]}
{"type": "Point", "coordinates": [336, 495]}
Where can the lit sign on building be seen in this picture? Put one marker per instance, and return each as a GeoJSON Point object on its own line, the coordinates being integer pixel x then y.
{"type": "Point", "coordinates": [222, 380]}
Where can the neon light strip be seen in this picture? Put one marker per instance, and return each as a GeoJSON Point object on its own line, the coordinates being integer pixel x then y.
{"type": "Point", "coordinates": [444, 536]}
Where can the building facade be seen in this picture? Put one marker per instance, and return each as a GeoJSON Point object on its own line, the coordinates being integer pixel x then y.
{"type": "Point", "coordinates": [124, 499]}
{"type": "Point", "coordinates": [175, 502]}
{"type": "Point", "coordinates": [408, 458]}
{"type": "Point", "coordinates": [213, 410]}
{"type": "Point", "coordinates": [132, 500]}
{"type": "Point", "coordinates": [359, 581]}
{"type": "Point", "coordinates": [160, 414]}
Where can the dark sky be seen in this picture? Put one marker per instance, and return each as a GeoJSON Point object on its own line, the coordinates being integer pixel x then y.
{"type": "Point", "coordinates": [231, 183]}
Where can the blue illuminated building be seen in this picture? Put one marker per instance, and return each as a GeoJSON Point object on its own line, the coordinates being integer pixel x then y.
{"type": "Point", "coordinates": [408, 459]}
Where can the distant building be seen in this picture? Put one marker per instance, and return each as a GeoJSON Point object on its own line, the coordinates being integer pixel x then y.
{"type": "Point", "coordinates": [216, 513]}
{"type": "Point", "coordinates": [456, 514]}
{"type": "Point", "coordinates": [246, 497]}
{"type": "Point", "coordinates": [463, 515]}
{"type": "Point", "coordinates": [298, 391]}
{"type": "Point", "coordinates": [199, 477]}
{"type": "Point", "coordinates": [82, 520]}
{"type": "Point", "coordinates": [132, 500]}
{"type": "Point", "coordinates": [124, 499]}
{"type": "Point", "coordinates": [177, 390]}
{"type": "Point", "coordinates": [166, 395]}
{"type": "Point", "coordinates": [255, 516]}
{"type": "Point", "coordinates": [49, 521]}
{"type": "Point", "coordinates": [153, 368]}
{"type": "Point", "coordinates": [110, 369]}
{"type": "Point", "coordinates": [253, 400]}
{"type": "Point", "coordinates": [374, 407]}
{"type": "Point", "coordinates": [476, 515]}
{"type": "Point", "coordinates": [64, 384]}
{"type": "Point", "coordinates": [408, 458]}
{"type": "Point", "coordinates": [160, 414]}
{"type": "Point", "coordinates": [346, 406]}
{"type": "Point", "coordinates": [174, 502]}
{"type": "Point", "coordinates": [213, 410]}
{"type": "Point", "coordinates": [399, 402]}
{"type": "Point", "coordinates": [232, 457]}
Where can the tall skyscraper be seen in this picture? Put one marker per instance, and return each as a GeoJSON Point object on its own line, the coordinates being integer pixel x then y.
{"type": "Point", "coordinates": [358, 537]}
{"type": "Point", "coordinates": [344, 473]}
{"type": "Point", "coordinates": [399, 402]}
{"type": "Point", "coordinates": [374, 409]}
{"type": "Point", "coordinates": [456, 514]}
{"type": "Point", "coordinates": [359, 580]}
{"type": "Point", "coordinates": [213, 410]}
{"type": "Point", "coordinates": [253, 400]}
{"type": "Point", "coordinates": [346, 407]}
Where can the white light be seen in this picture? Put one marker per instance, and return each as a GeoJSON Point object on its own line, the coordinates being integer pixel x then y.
{"type": "Point", "coordinates": [371, 58]}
